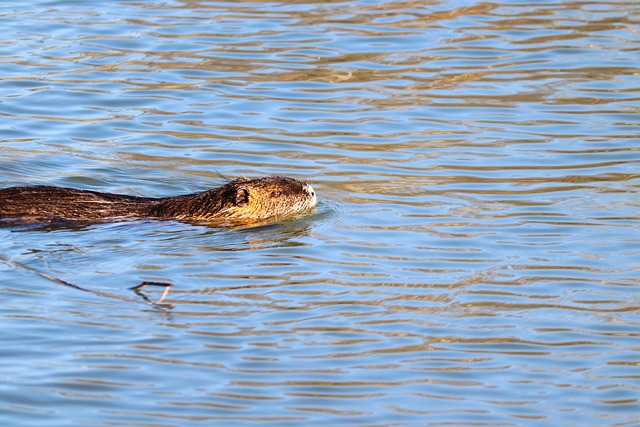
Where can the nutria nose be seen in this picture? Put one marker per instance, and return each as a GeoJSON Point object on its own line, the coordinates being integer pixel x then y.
{"type": "Point", "coordinates": [311, 192]}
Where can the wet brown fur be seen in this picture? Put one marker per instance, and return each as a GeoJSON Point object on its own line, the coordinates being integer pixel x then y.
{"type": "Point", "coordinates": [239, 200]}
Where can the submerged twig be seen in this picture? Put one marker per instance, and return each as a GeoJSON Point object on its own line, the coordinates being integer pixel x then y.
{"type": "Point", "coordinates": [51, 278]}
{"type": "Point", "coordinates": [138, 288]}
{"type": "Point", "coordinates": [41, 274]}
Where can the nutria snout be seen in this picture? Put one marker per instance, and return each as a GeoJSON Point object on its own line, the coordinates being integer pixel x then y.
{"type": "Point", "coordinates": [243, 200]}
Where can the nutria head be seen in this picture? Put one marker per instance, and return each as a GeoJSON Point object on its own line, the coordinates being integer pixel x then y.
{"type": "Point", "coordinates": [242, 200]}
{"type": "Point", "coordinates": [263, 198]}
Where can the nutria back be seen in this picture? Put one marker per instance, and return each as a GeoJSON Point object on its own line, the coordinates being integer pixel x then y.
{"type": "Point", "coordinates": [242, 200]}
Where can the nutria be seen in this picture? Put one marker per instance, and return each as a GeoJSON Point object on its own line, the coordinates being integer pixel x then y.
{"type": "Point", "coordinates": [243, 200]}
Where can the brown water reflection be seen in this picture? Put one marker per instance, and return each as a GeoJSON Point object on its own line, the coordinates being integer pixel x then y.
{"type": "Point", "coordinates": [473, 260]}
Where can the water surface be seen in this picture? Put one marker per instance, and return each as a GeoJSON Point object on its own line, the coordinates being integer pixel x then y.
{"type": "Point", "coordinates": [473, 259]}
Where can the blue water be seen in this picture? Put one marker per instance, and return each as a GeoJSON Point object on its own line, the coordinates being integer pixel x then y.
{"type": "Point", "coordinates": [473, 259]}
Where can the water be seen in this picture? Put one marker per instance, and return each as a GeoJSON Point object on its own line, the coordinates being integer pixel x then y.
{"type": "Point", "coordinates": [473, 259]}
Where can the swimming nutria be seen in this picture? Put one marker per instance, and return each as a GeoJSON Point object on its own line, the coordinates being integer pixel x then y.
{"type": "Point", "coordinates": [242, 200]}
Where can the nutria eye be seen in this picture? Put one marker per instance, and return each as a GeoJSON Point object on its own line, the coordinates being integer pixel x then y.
{"type": "Point", "coordinates": [275, 194]}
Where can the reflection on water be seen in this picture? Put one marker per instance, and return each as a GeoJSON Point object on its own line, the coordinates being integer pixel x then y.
{"type": "Point", "coordinates": [473, 259]}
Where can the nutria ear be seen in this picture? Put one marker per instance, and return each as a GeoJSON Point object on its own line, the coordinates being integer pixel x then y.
{"type": "Point", "coordinates": [242, 197]}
